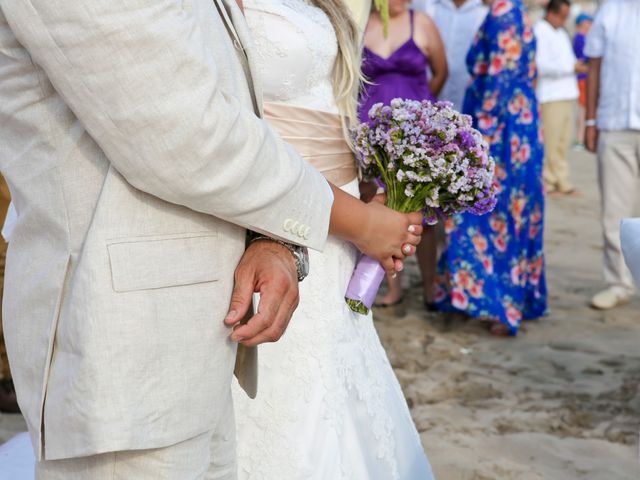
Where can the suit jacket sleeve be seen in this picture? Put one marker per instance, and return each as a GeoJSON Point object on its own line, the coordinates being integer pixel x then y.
{"type": "Point", "coordinates": [139, 76]}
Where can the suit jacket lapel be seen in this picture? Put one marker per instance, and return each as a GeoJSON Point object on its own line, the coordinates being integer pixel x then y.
{"type": "Point", "coordinates": [241, 37]}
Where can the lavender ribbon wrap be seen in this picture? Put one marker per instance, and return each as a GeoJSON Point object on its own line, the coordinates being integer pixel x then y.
{"type": "Point", "coordinates": [364, 284]}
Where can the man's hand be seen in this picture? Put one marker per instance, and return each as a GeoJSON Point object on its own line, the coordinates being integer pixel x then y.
{"type": "Point", "coordinates": [591, 138]}
{"type": "Point", "coordinates": [269, 269]}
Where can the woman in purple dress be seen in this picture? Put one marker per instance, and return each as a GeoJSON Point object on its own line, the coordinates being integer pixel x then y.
{"type": "Point", "coordinates": [396, 66]}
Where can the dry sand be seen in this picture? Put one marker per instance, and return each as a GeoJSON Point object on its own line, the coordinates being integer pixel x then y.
{"type": "Point", "coordinates": [559, 402]}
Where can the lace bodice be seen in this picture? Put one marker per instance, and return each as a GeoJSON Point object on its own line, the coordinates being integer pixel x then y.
{"type": "Point", "coordinates": [295, 49]}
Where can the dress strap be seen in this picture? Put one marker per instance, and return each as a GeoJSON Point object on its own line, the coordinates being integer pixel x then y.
{"type": "Point", "coordinates": [411, 21]}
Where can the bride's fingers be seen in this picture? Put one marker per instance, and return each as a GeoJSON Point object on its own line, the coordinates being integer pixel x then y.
{"type": "Point", "coordinates": [413, 239]}
{"type": "Point", "coordinates": [380, 197]}
{"type": "Point", "coordinates": [408, 249]}
{"type": "Point", "coordinates": [415, 229]}
{"type": "Point", "coordinates": [389, 266]}
{"type": "Point", "coordinates": [415, 218]}
{"type": "Point", "coordinates": [398, 264]}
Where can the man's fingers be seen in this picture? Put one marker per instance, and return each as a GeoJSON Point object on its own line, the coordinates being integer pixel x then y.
{"type": "Point", "coordinates": [256, 324]}
{"type": "Point", "coordinates": [274, 332]}
{"type": "Point", "coordinates": [240, 298]}
{"type": "Point", "coordinates": [278, 326]}
{"type": "Point", "coordinates": [267, 309]}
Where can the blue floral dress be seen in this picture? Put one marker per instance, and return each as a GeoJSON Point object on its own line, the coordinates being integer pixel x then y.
{"type": "Point", "coordinates": [493, 266]}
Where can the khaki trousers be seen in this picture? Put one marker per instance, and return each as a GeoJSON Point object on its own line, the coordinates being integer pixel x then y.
{"type": "Point", "coordinates": [557, 124]}
{"type": "Point", "coordinates": [209, 456]}
{"type": "Point", "coordinates": [5, 199]}
{"type": "Point", "coordinates": [619, 170]}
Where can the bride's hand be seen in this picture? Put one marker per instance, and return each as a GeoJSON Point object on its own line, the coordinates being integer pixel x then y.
{"type": "Point", "coordinates": [389, 236]}
{"type": "Point", "coordinates": [383, 234]}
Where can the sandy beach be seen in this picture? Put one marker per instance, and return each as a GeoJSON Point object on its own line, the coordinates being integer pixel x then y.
{"type": "Point", "coordinates": [559, 402]}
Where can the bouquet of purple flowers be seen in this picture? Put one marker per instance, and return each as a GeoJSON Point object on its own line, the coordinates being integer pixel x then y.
{"type": "Point", "coordinates": [428, 158]}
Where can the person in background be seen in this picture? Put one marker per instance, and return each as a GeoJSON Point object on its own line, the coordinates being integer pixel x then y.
{"type": "Point", "coordinates": [583, 25]}
{"type": "Point", "coordinates": [8, 400]}
{"type": "Point", "coordinates": [397, 67]}
{"type": "Point", "coordinates": [613, 131]}
{"type": "Point", "coordinates": [557, 91]}
{"type": "Point", "coordinates": [458, 22]}
{"type": "Point", "coordinates": [493, 266]}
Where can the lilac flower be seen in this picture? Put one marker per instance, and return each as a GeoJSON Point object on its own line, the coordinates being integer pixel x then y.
{"type": "Point", "coordinates": [429, 158]}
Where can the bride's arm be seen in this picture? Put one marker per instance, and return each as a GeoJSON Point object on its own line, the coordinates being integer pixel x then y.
{"type": "Point", "coordinates": [376, 230]}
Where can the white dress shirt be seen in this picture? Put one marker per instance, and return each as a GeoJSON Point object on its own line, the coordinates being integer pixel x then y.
{"type": "Point", "coordinates": [615, 37]}
{"type": "Point", "coordinates": [458, 27]}
{"type": "Point", "coordinates": [556, 62]}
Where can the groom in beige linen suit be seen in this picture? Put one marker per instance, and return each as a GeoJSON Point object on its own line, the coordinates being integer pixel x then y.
{"type": "Point", "coordinates": [131, 141]}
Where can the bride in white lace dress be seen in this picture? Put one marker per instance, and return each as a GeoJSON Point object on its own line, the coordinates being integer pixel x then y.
{"type": "Point", "coordinates": [329, 406]}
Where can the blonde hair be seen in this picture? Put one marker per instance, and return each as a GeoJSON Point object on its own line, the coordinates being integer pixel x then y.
{"type": "Point", "coordinates": [346, 70]}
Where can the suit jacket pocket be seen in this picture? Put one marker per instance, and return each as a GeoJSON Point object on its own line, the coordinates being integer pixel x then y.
{"type": "Point", "coordinates": [143, 263]}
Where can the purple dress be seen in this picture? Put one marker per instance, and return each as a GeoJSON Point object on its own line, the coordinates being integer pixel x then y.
{"type": "Point", "coordinates": [403, 74]}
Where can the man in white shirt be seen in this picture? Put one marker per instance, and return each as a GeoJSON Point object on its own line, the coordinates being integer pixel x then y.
{"type": "Point", "coordinates": [613, 86]}
{"type": "Point", "coordinates": [458, 21]}
{"type": "Point", "coordinates": [557, 91]}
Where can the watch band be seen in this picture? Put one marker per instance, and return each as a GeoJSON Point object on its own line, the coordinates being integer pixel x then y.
{"type": "Point", "coordinates": [300, 254]}
{"type": "Point", "coordinates": [590, 123]}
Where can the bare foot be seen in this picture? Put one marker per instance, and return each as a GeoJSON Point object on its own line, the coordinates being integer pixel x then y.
{"type": "Point", "coordinates": [388, 301]}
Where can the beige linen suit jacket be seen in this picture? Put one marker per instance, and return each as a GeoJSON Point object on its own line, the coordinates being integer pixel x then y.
{"type": "Point", "coordinates": [135, 158]}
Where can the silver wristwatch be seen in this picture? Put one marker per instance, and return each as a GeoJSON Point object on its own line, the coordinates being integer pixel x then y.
{"type": "Point", "coordinates": [300, 254]}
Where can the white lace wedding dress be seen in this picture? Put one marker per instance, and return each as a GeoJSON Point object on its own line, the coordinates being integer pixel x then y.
{"type": "Point", "coordinates": [329, 406]}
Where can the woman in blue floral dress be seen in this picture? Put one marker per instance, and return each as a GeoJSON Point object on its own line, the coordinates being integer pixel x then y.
{"type": "Point", "coordinates": [493, 267]}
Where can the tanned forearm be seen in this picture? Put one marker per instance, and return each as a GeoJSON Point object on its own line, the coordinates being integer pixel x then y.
{"type": "Point", "coordinates": [593, 91]}
{"type": "Point", "coordinates": [593, 87]}
{"type": "Point", "coordinates": [348, 213]}
{"type": "Point", "coordinates": [439, 66]}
